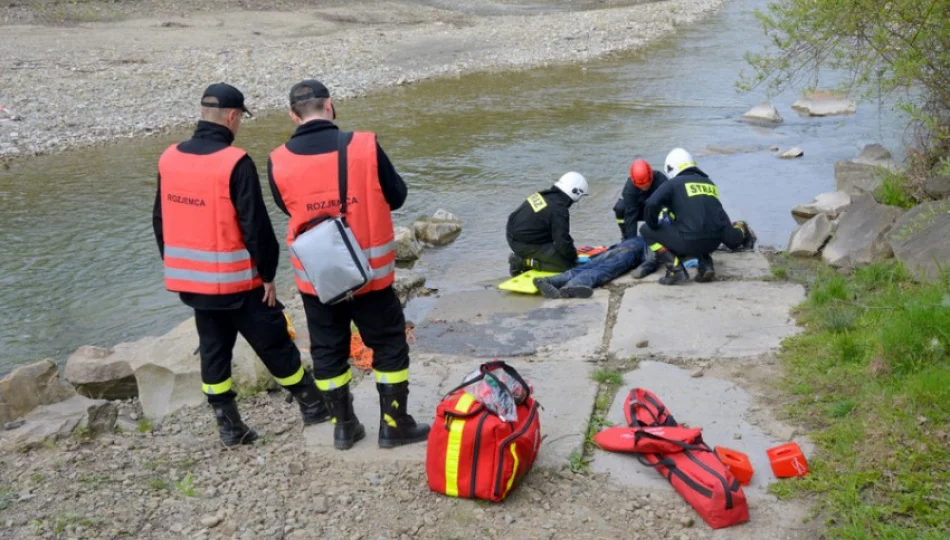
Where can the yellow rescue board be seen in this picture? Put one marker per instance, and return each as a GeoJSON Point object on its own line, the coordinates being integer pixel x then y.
{"type": "Point", "coordinates": [524, 283]}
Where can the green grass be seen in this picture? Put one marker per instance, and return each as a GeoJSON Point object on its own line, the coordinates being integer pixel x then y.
{"type": "Point", "coordinates": [8, 496]}
{"type": "Point", "coordinates": [607, 376]}
{"type": "Point", "coordinates": [185, 486]}
{"type": "Point", "coordinates": [895, 191]}
{"type": "Point", "coordinates": [871, 374]}
{"type": "Point", "coordinates": [159, 484]}
{"type": "Point", "coordinates": [145, 426]}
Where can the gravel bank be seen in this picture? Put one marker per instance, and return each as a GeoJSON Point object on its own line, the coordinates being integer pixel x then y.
{"type": "Point", "coordinates": [177, 482]}
{"type": "Point", "coordinates": [88, 82]}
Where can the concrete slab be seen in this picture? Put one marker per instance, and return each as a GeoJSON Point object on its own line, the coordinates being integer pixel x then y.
{"type": "Point", "coordinates": [563, 388]}
{"type": "Point", "coordinates": [492, 323]}
{"type": "Point", "coordinates": [729, 319]}
{"type": "Point", "coordinates": [730, 266]}
{"type": "Point", "coordinates": [718, 406]}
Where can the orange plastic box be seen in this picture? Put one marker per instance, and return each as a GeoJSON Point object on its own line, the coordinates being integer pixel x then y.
{"type": "Point", "coordinates": [737, 463]}
{"type": "Point", "coordinates": [788, 461]}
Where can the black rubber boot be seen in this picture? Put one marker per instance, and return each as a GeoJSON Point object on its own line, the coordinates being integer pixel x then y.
{"type": "Point", "coordinates": [748, 237]}
{"type": "Point", "coordinates": [576, 291]}
{"type": "Point", "coordinates": [675, 272]}
{"type": "Point", "coordinates": [647, 267]}
{"type": "Point", "coordinates": [347, 429]}
{"type": "Point", "coordinates": [396, 426]}
{"type": "Point", "coordinates": [547, 290]}
{"type": "Point", "coordinates": [231, 429]}
{"type": "Point", "coordinates": [706, 271]}
{"type": "Point", "coordinates": [516, 265]}
{"type": "Point", "coordinates": [313, 408]}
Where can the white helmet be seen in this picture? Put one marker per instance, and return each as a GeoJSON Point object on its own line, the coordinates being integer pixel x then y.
{"type": "Point", "coordinates": [677, 161]}
{"type": "Point", "coordinates": [573, 184]}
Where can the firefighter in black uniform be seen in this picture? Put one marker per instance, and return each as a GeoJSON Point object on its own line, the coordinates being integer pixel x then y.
{"type": "Point", "coordinates": [642, 182]}
{"type": "Point", "coordinates": [697, 222]}
{"type": "Point", "coordinates": [221, 257]}
{"type": "Point", "coordinates": [539, 230]}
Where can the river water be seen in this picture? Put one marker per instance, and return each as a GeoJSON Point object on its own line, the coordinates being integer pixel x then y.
{"type": "Point", "coordinates": [80, 265]}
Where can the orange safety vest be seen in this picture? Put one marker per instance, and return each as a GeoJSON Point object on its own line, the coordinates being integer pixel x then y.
{"type": "Point", "coordinates": [204, 248]}
{"type": "Point", "coordinates": [308, 185]}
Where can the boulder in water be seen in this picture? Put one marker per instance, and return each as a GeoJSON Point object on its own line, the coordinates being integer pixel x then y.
{"type": "Point", "coordinates": [408, 284]}
{"type": "Point", "coordinates": [408, 249]}
{"type": "Point", "coordinates": [763, 112]}
{"type": "Point", "coordinates": [919, 240]}
{"type": "Point", "coordinates": [29, 387]}
{"type": "Point", "coordinates": [102, 373]}
{"type": "Point", "coordinates": [810, 237]}
{"type": "Point", "coordinates": [860, 238]}
{"type": "Point", "coordinates": [439, 230]}
{"type": "Point", "coordinates": [824, 103]}
{"type": "Point", "coordinates": [792, 153]}
{"type": "Point", "coordinates": [865, 173]}
{"type": "Point", "coordinates": [830, 204]}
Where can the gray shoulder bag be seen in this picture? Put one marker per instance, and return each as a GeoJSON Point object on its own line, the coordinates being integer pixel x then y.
{"type": "Point", "coordinates": [330, 255]}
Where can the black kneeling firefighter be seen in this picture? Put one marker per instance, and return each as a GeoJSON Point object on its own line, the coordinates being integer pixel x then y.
{"type": "Point", "coordinates": [304, 179]}
{"type": "Point", "coordinates": [699, 224]}
{"type": "Point", "coordinates": [539, 230]}
{"type": "Point", "coordinates": [640, 185]}
{"type": "Point", "coordinates": [220, 254]}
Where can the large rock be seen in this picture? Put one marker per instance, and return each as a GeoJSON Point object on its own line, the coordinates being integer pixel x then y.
{"type": "Point", "coordinates": [439, 230]}
{"type": "Point", "coordinates": [102, 373]}
{"type": "Point", "coordinates": [938, 186]}
{"type": "Point", "coordinates": [830, 204]}
{"type": "Point", "coordinates": [865, 173]}
{"type": "Point", "coordinates": [824, 103]}
{"type": "Point", "coordinates": [408, 284]}
{"type": "Point", "coordinates": [168, 370]}
{"type": "Point", "coordinates": [920, 240]}
{"type": "Point", "coordinates": [408, 249]}
{"type": "Point", "coordinates": [763, 112]}
{"type": "Point", "coordinates": [860, 236]}
{"type": "Point", "coordinates": [50, 423]}
{"type": "Point", "coordinates": [809, 238]}
{"type": "Point", "coordinates": [792, 153]}
{"type": "Point", "coordinates": [29, 387]}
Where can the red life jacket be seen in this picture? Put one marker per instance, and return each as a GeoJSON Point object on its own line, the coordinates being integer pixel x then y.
{"type": "Point", "coordinates": [204, 248]}
{"type": "Point", "coordinates": [308, 186]}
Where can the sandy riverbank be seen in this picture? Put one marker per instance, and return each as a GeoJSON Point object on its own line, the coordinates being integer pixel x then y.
{"type": "Point", "coordinates": [138, 69]}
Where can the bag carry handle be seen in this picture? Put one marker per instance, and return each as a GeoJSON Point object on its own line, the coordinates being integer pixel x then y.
{"type": "Point", "coordinates": [647, 435]}
{"type": "Point", "coordinates": [342, 142]}
{"type": "Point", "coordinates": [485, 369]}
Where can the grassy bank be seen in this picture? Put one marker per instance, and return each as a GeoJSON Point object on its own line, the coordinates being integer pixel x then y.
{"type": "Point", "coordinates": [871, 375]}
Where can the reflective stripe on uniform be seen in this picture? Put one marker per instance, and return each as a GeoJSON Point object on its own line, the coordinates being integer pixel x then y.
{"type": "Point", "coordinates": [701, 188]}
{"type": "Point", "coordinates": [514, 469]}
{"type": "Point", "coordinates": [380, 251]}
{"type": "Point", "coordinates": [619, 221]}
{"type": "Point", "coordinates": [392, 377]}
{"type": "Point", "coordinates": [656, 247]}
{"type": "Point", "coordinates": [217, 388]}
{"type": "Point", "coordinates": [207, 256]}
{"type": "Point", "coordinates": [336, 382]}
{"type": "Point", "coordinates": [291, 380]}
{"type": "Point", "coordinates": [210, 277]}
{"type": "Point", "coordinates": [537, 202]}
{"type": "Point", "coordinates": [453, 452]}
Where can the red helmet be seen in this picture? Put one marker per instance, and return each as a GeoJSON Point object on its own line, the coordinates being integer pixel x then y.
{"type": "Point", "coordinates": [641, 174]}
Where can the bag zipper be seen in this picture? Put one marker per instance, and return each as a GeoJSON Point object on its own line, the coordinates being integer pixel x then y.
{"type": "Point", "coordinates": [506, 442]}
{"type": "Point", "coordinates": [478, 444]}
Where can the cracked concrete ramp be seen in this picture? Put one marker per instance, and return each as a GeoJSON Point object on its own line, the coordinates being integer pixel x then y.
{"type": "Point", "coordinates": [492, 323]}
{"type": "Point", "coordinates": [729, 319]}
{"type": "Point", "coordinates": [563, 388]}
{"type": "Point", "coordinates": [725, 412]}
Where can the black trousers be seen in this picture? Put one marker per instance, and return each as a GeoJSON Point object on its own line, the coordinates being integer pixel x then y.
{"type": "Point", "coordinates": [545, 256]}
{"type": "Point", "coordinates": [380, 320]}
{"type": "Point", "coordinates": [264, 328]}
{"type": "Point", "coordinates": [672, 238]}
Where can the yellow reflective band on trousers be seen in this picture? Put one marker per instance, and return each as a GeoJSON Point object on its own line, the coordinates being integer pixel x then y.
{"type": "Point", "coordinates": [620, 221]}
{"type": "Point", "coordinates": [392, 377]}
{"type": "Point", "coordinates": [336, 382]}
{"type": "Point", "coordinates": [514, 469]}
{"type": "Point", "coordinates": [292, 380]}
{"type": "Point", "coordinates": [537, 202]}
{"type": "Point", "coordinates": [454, 448]}
{"type": "Point", "coordinates": [700, 188]}
{"type": "Point", "coordinates": [217, 388]}
{"type": "Point", "coordinates": [656, 247]}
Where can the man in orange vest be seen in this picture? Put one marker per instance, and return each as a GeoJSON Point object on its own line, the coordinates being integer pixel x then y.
{"type": "Point", "coordinates": [220, 254]}
{"type": "Point", "coordinates": [303, 176]}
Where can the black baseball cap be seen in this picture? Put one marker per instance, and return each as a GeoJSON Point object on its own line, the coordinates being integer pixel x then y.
{"type": "Point", "coordinates": [228, 97]}
{"type": "Point", "coordinates": [315, 87]}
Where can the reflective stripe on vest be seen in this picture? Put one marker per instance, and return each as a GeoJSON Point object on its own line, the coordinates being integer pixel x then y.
{"type": "Point", "coordinates": [309, 189]}
{"type": "Point", "coordinates": [204, 250]}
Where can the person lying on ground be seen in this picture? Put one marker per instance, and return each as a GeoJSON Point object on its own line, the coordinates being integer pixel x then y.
{"type": "Point", "coordinates": [580, 282]}
{"type": "Point", "coordinates": [539, 230]}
